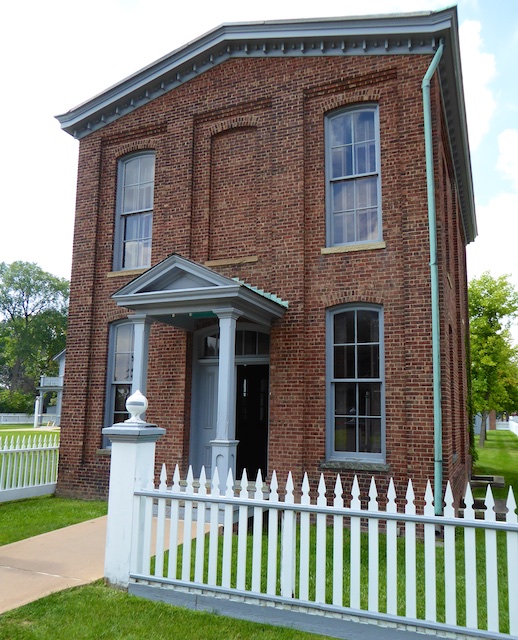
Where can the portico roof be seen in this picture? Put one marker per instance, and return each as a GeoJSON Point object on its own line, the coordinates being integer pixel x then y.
{"type": "Point", "coordinates": [178, 291]}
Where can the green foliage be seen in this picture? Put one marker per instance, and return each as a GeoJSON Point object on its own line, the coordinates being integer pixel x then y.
{"type": "Point", "coordinates": [33, 317]}
{"type": "Point", "coordinates": [493, 306]}
{"type": "Point", "coordinates": [15, 402]}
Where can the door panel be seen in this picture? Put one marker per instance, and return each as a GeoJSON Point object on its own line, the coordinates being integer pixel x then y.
{"type": "Point", "coordinates": [204, 413]}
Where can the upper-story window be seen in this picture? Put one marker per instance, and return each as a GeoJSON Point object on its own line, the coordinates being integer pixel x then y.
{"type": "Point", "coordinates": [353, 176]}
{"type": "Point", "coordinates": [355, 383]}
{"type": "Point", "coordinates": [134, 211]}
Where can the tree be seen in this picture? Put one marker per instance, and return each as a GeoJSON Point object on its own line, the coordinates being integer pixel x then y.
{"type": "Point", "coordinates": [33, 317]}
{"type": "Point", "coordinates": [493, 305]}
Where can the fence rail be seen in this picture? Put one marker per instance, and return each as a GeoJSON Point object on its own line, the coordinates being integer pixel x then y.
{"type": "Point", "coordinates": [452, 574]}
{"type": "Point", "coordinates": [28, 466]}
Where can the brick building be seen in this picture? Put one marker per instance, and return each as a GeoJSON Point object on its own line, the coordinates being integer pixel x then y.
{"type": "Point", "coordinates": [252, 250]}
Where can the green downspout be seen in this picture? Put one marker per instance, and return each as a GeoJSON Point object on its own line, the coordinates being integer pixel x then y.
{"type": "Point", "coordinates": [434, 279]}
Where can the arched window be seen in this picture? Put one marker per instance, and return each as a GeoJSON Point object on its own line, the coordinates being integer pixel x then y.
{"type": "Point", "coordinates": [355, 393]}
{"type": "Point", "coordinates": [134, 221]}
{"type": "Point", "coordinates": [353, 176]}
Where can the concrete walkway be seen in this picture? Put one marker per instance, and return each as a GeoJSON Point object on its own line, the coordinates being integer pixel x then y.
{"type": "Point", "coordinates": [31, 569]}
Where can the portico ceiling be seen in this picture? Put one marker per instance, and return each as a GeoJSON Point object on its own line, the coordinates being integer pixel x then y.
{"type": "Point", "coordinates": [178, 292]}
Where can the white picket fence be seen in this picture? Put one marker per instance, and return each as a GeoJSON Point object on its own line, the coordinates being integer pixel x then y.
{"type": "Point", "coordinates": [28, 466]}
{"type": "Point", "coordinates": [444, 573]}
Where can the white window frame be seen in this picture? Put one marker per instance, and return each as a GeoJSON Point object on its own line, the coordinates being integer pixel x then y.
{"type": "Point", "coordinates": [355, 177]}
{"type": "Point", "coordinates": [331, 453]}
{"type": "Point", "coordinates": [111, 382]}
{"type": "Point", "coordinates": [119, 258]}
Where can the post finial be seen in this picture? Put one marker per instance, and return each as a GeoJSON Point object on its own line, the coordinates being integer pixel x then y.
{"type": "Point", "coordinates": [136, 405]}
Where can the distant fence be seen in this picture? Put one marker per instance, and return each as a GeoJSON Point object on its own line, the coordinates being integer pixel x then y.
{"type": "Point", "coordinates": [16, 418]}
{"type": "Point", "coordinates": [28, 466]}
{"type": "Point", "coordinates": [446, 574]}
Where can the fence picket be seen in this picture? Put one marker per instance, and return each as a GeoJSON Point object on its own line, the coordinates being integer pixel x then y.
{"type": "Point", "coordinates": [491, 564]}
{"type": "Point", "coordinates": [242, 533]}
{"type": "Point", "coordinates": [512, 561]}
{"type": "Point", "coordinates": [429, 557]}
{"type": "Point", "coordinates": [273, 522]}
{"type": "Point", "coordinates": [470, 562]}
{"type": "Point", "coordinates": [173, 530]}
{"type": "Point", "coordinates": [160, 527]}
{"type": "Point", "coordinates": [391, 551]}
{"type": "Point", "coordinates": [200, 530]}
{"type": "Point", "coordinates": [320, 555]}
{"type": "Point", "coordinates": [213, 533]}
{"type": "Point", "coordinates": [338, 544]}
{"type": "Point", "coordinates": [410, 555]}
{"type": "Point", "coordinates": [257, 541]}
{"type": "Point", "coordinates": [450, 574]}
{"type": "Point", "coordinates": [187, 527]}
{"type": "Point", "coordinates": [304, 542]}
{"type": "Point", "coordinates": [288, 531]}
{"type": "Point", "coordinates": [227, 533]}
{"type": "Point", "coordinates": [374, 557]}
{"type": "Point", "coordinates": [355, 552]}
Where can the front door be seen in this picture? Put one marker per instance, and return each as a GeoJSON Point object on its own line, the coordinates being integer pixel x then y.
{"type": "Point", "coordinates": [204, 414]}
{"type": "Point", "coordinates": [252, 419]}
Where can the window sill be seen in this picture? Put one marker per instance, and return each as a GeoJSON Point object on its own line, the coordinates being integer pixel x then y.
{"type": "Point", "coordinates": [104, 453]}
{"type": "Point", "coordinates": [126, 272]}
{"type": "Point", "coordinates": [223, 262]}
{"type": "Point", "coordinates": [354, 465]}
{"type": "Point", "coordinates": [347, 248]}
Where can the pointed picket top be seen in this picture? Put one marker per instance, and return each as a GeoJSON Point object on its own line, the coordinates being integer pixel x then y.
{"type": "Point", "coordinates": [338, 501]}
{"type": "Point", "coordinates": [215, 483]}
{"type": "Point", "coordinates": [289, 490]}
{"type": "Point", "coordinates": [373, 495]}
{"type": "Point", "coordinates": [321, 499]}
{"type": "Point", "coordinates": [449, 510]}
{"type": "Point", "coordinates": [511, 506]}
{"type": "Point", "coordinates": [243, 491]}
{"type": "Point", "coordinates": [176, 480]}
{"type": "Point", "coordinates": [274, 488]}
{"type": "Point", "coordinates": [355, 493]}
{"type": "Point", "coordinates": [190, 480]}
{"type": "Point", "coordinates": [469, 512]}
{"type": "Point", "coordinates": [391, 498]}
{"type": "Point", "coordinates": [229, 493]}
{"type": "Point", "coordinates": [305, 498]}
{"type": "Point", "coordinates": [490, 513]}
{"type": "Point", "coordinates": [259, 486]}
{"type": "Point", "coordinates": [429, 509]}
{"type": "Point", "coordinates": [163, 479]}
{"type": "Point", "coordinates": [202, 491]}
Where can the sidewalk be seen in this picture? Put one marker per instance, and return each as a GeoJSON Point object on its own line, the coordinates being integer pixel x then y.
{"type": "Point", "coordinates": [31, 569]}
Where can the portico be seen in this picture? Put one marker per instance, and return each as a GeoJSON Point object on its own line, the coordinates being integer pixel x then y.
{"type": "Point", "coordinates": [180, 292]}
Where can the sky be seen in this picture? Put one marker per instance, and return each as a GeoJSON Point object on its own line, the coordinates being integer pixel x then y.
{"type": "Point", "coordinates": [58, 53]}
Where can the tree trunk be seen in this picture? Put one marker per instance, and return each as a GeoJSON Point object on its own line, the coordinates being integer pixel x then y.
{"type": "Point", "coordinates": [482, 438]}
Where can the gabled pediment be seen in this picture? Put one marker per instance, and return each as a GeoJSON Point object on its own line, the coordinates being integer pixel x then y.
{"type": "Point", "coordinates": [177, 291]}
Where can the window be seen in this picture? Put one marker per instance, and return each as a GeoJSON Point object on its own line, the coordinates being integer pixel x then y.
{"type": "Point", "coordinates": [134, 211]}
{"type": "Point", "coordinates": [353, 184]}
{"type": "Point", "coordinates": [248, 343]}
{"type": "Point", "coordinates": [355, 383]}
{"type": "Point", "coordinates": [120, 371]}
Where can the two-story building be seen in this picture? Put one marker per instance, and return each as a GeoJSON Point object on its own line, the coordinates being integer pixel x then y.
{"type": "Point", "coordinates": [270, 244]}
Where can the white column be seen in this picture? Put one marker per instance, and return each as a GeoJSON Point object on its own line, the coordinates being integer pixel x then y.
{"type": "Point", "coordinates": [132, 467]}
{"type": "Point", "coordinates": [141, 327]}
{"type": "Point", "coordinates": [37, 412]}
{"type": "Point", "coordinates": [225, 445]}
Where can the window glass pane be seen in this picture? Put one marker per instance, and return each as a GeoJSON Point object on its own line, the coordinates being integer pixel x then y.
{"type": "Point", "coordinates": [344, 327]}
{"type": "Point", "coordinates": [145, 253]}
{"type": "Point", "coordinates": [342, 161]}
{"type": "Point", "coordinates": [368, 361]}
{"type": "Point", "coordinates": [122, 391]}
{"type": "Point", "coordinates": [369, 435]}
{"type": "Point", "coordinates": [145, 196]}
{"type": "Point", "coordinates": [343, 196]}
{"type": "Point", "coordinates": [123, 366]}
{"type": "Point", "coordinates": [369, 399]}
{"type": "Point", "coordinates": [124, 339]}
{"type": "Point", "coordinates": [345, 399]}
{"type": "Point", "coordinates": [263, 343]}
{"type": "Point", "coordinates": [131, 227]}
{"type": "Point", "coordinates": [250, 343]}
{"type": "Point", "coordinates": [344, 362]}
{"type": "Point", "coordinates": [211, 347]}
{"type": "Point", "coordinates": [130, 199]}
{"type": "Point", "coordinates": [130, 257]}
{"type": "Point", "coordinates": [146, 220]}
{"type": "Point", "coordinates": [368, 325]}
{"type": "Point", "coordinates": [363, 126]}
{"type": "Point", "coordinates": [131, 171]}
{"type": "Point", "coordinates": [345, 434]}
{"type": "Point", "coordinates": [341, 130]}
{"type": "Point", "coordinates": [147, 168]}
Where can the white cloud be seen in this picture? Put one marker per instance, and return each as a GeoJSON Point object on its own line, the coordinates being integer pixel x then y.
{"type": "Point", "coordinates": [508, 156]}
{"type": "Point", "coordinates": [478, 70]}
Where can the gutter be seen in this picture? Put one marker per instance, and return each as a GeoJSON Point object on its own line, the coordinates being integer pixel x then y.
{"type": "Point", "coordinates": [434, 280]}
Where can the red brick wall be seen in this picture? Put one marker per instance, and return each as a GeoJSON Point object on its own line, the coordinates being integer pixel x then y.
{"type": "Point", "coordinates": [240, 173]}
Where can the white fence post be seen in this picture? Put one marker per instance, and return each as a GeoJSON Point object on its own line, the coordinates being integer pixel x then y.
{"type": "Point", "coordinates": [132, 468]}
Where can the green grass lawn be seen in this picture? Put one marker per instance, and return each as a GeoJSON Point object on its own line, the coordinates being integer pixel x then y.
{"type": "Point", "coordinates": [9, 430]}
{"type": "Point", "coordinates": [96, 611]}
{"type": "Point", "coordinates": [22, 519]}
{"type": "Point", "coordinates": [499, 456]}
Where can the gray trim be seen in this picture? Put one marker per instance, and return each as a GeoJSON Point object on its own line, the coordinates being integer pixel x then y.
{"type": "Point", "coordinates": [351, 625]}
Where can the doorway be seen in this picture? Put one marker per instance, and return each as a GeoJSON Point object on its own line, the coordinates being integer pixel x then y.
{"type": "Point", "coordinates": [252, 419]}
